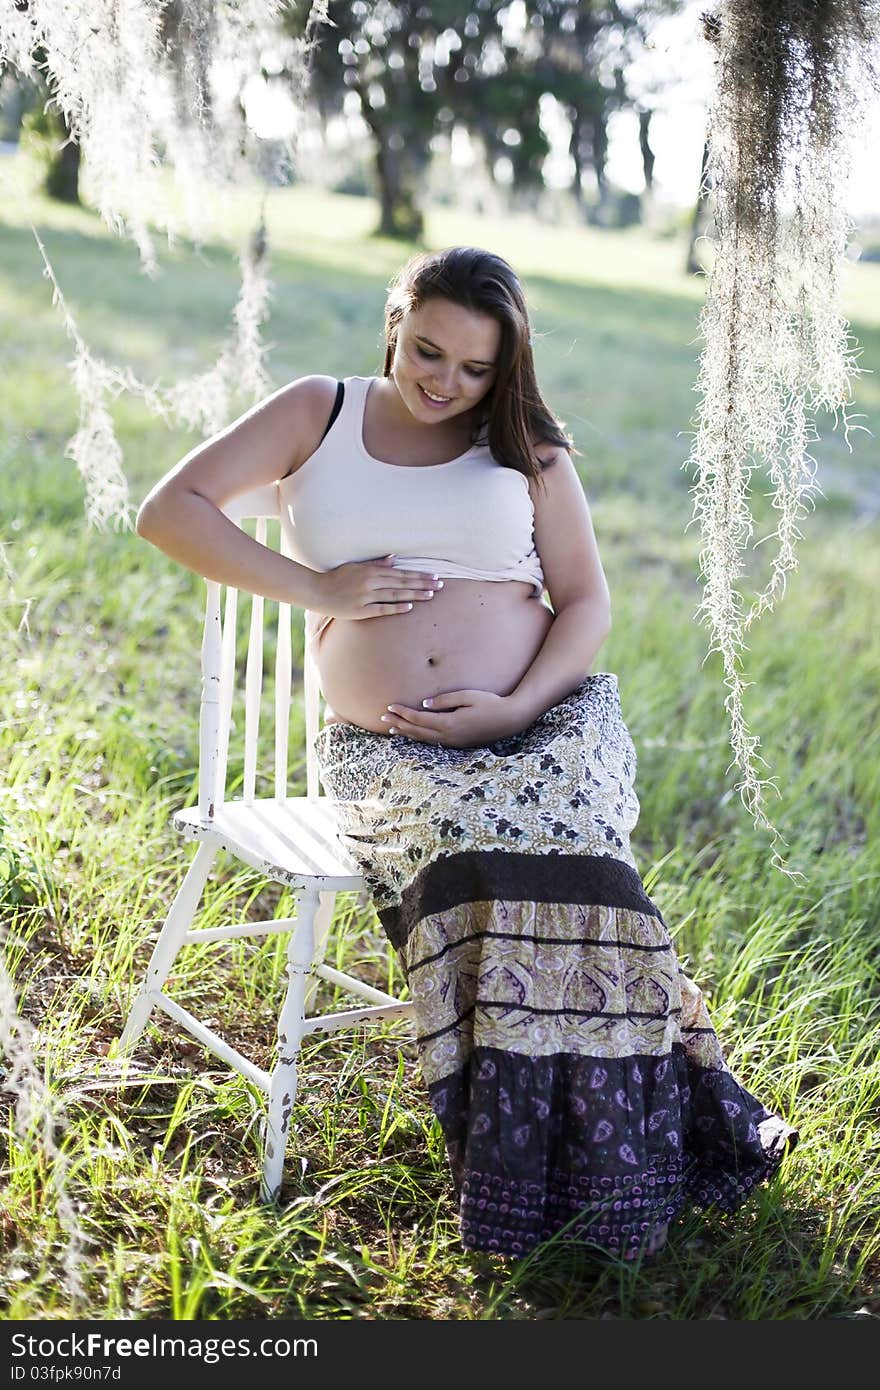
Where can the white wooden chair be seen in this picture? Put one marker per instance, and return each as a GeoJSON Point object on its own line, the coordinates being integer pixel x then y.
{"type": "Point", "coordinates": [292, 840]}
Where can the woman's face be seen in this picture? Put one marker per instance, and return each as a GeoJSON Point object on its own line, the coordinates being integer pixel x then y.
{"type": "Point", "coordinates": [447, 351]}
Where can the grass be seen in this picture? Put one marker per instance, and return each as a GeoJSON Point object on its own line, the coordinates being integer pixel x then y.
{"type": "Point", "coordinates": [100, 696]}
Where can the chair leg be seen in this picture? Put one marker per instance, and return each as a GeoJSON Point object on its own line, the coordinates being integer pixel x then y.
{"type": "Point", "coordinates": [176, 925]}
{"type": "Point", "coordinates": [323, 923]}
{"type": "Point", "coordinates": [284, 1078]}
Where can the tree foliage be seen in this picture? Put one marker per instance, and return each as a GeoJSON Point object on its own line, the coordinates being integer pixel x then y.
{"type": "Point", "coordinates": [417, 68]}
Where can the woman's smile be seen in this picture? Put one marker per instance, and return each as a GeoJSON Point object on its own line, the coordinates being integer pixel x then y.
{"type": "Point", "coordinates": [438, 402]}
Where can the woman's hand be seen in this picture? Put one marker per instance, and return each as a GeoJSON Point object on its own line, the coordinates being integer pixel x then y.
{"type": "Point", "coordinates": [458, 719]}
{"type": "Point", "coordinates": [371, 588]}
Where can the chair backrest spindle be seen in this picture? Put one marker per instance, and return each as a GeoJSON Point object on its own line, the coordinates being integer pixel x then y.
{"type": "Point", "coordinates": [311, 695]}
{"type": "Point", "coordinates": [253, 684]}
{"type": "Point", "coordinates": [282, 690]}
{"type": "Point", "coordinates": [218, 679]}
{"type": "Point", "coordinates": [227, 685]}
{"type": "Point", "coordinates": [210, 789]}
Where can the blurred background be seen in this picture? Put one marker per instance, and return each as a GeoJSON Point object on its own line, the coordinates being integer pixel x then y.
{"type": "Point", "coordinates": [588, 113]}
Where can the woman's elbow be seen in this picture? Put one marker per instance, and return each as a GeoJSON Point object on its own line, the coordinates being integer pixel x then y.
{"type": "Point", "coordinates": [146, 519]}
{"type": "Point", "coordinates": [159, 510]}
{"type": "Point", "coordinates": [602, 604]}
{"type": "Point", "coordinates": [599, 608]}
{"type": "Point", "coordinates": [156, 516]}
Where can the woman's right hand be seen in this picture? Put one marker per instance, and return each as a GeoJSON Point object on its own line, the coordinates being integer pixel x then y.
{"type": "Point", "coordinates": [372, 588]}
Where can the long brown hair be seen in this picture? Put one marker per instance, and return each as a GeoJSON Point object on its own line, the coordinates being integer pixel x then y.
{"type": "Point", "coordinates": [515, 418]}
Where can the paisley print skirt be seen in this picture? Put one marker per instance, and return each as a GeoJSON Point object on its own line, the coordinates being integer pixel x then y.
{"type": "Point", "coordinates": [572, 1065]}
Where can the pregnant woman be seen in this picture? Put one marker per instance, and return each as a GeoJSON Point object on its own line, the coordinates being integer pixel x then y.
{"type": "Point", "coordinates": [484, 777]}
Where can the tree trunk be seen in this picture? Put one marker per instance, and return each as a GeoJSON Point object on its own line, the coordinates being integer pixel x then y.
{"type": "Point", "coordinates": [597, 134]}
{"type": "Point", "coordinates": [396, 175]}
{"type": "Point", "coordinates": [646, 202]}
{"type": "Point", "coordinates": [62, 178]}
{"type": "Point", "coordinates": [701, 216]}
{"type": "Point", "coordinates": [645, 147]}
{"type": "Point", "coordinates": [574, 149]}
{"type": "Point", "coordinates": [400, 215]}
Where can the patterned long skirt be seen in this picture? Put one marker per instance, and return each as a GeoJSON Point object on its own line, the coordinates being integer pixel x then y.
{"type": "Point", "coordinates": [571, 1063]}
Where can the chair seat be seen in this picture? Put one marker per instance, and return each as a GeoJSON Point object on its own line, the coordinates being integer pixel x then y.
{"type": "Point", "coordinates": [290, 840]}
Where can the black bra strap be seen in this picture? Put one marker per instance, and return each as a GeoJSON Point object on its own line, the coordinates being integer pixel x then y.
{"type": "Point", "coordinates": [337, 406]}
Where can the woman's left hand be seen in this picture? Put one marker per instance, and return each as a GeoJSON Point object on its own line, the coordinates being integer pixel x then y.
{"type": "Point", "coordinates": [457, 719]}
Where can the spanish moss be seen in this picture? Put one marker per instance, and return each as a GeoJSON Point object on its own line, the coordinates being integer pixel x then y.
{"type": "Point", "coordinates": [137, 82]}
{"type": "Point", "coordinates": [792, 79]}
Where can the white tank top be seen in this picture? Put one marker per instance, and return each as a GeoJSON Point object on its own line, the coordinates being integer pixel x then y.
{"type": "Point", "coordinates": [470, 518]}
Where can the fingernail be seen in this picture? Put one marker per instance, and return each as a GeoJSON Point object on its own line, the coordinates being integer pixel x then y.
{"type": "Point", "coordinates": [427, 703]}
{"type": "Point", "coordinates": [439, 583]}
{"type": "Point", "coordinates": [384, 718]}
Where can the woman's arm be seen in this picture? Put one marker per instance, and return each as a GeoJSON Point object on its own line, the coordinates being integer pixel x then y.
{"type": "Point", "coordinates": [183, 514]}
{"type": "Point", "coordinates": [578, 589]}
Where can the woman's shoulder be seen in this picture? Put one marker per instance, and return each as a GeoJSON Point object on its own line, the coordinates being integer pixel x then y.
{"type": "Point", "coordinates": [555, 463]}
{"type": "Point", "coordinates": [311, 399]}
{"type": "Point", "coordinates": [548, 453]}
{"type": "Point", "coordinates": [313, 393]}
{"type": "Point", "coordinates": [305, 397]}
{"type": "Point", "coordinates": [300, 411]}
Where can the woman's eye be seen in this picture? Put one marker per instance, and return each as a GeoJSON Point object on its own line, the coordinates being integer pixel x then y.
{"type": "Point", "coordinates": [432, 357]}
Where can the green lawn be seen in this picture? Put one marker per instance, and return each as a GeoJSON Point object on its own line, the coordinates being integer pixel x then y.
{"type": "Point", "coordinates": [100, 690]}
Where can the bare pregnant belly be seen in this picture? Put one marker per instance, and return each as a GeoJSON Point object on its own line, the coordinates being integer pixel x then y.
{"type": "Point", "coordinates": [472, 635]}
